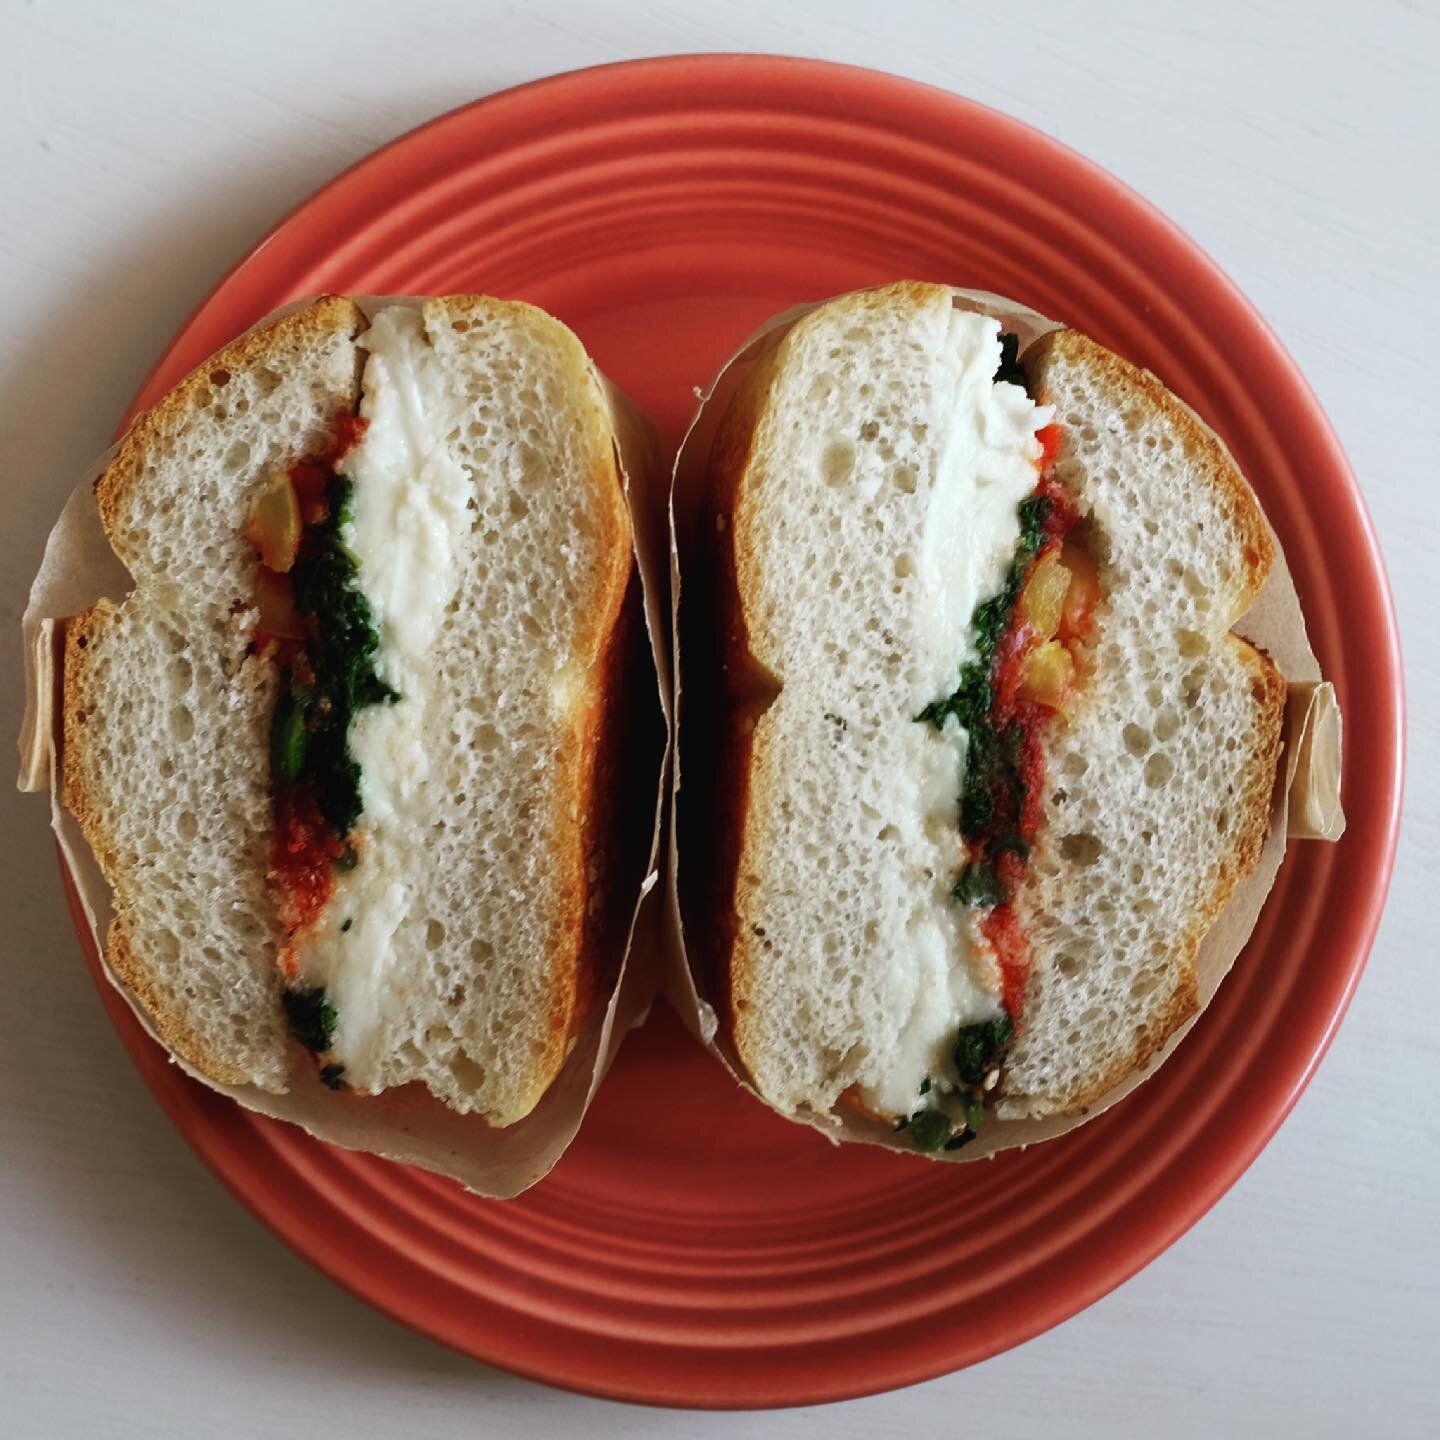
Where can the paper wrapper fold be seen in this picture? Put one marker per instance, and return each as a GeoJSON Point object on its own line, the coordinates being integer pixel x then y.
{"type": "Point", "coordinates": [405, 1124]}
{"type": "Point", "coordinates": [1306, 800]}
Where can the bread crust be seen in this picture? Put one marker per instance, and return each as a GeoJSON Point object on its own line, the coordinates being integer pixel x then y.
{"type": "Point", "coordinates": [125, 951]}
{"type": "Point", "coordinates": [1148, 395]}
{"type": "Point", "coordinates": [329, 315]}
{"type": "Point", "coordinates": [728, 690]}
{"type": "Point", "coordinates": [1139, 389]}
{"type": "Point", "coordinates": [603, 648]}
{"type": "Point", "coordinates": [722, 577]}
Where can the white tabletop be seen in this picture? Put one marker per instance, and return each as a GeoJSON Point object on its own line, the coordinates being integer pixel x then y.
{"type": "Point", "coordinates": [144, 148]}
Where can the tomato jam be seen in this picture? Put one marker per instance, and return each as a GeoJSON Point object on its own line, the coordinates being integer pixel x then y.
{"type": "Point", "coordinates": [306, 577]}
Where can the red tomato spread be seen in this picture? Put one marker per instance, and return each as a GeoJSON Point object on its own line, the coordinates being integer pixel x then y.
{"type": "Point", "coordinates": [304, 848]}
{"type": "Point", "coordinates": [1010, 711]}
{"type": "Point", "coordinates": [303, 853]}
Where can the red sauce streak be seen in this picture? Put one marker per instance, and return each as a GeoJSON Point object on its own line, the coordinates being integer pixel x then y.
{"type": "Point", "coordinates": [303, 853]}
{"type": "Point", "coordinates": [303, 849]}
{"type": "Point", "coordinates": [1049, 438]}
{"type": "Point", "coordinates": [1001, 926]}
{"type": "Point", "coordinates": [347, 430]}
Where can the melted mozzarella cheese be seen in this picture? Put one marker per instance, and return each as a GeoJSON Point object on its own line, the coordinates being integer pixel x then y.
{"type": "Point", "coordinates": [987, 467]}
{"type": "Point", "coordinates": [408, 515]}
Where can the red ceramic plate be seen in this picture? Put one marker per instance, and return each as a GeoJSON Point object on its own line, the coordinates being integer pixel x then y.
{"type": "Point", "coordinates": [692, 1249]}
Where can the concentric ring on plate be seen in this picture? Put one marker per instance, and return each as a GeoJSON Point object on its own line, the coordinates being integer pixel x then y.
{"type": "Point", "coordinates": [692, 1248]}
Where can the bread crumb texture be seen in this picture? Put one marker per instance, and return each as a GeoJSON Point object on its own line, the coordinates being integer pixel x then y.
{"type": "Point", "coordinates": [488, 971]}
{"type": "Point", "coordinates": [165, 752]}
{"type": "Point", "coordinates": [1158, 791]}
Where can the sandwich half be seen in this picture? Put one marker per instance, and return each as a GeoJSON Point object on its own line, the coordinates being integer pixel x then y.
{"type": "Point", "coordinates": [976, 758]}
{"type": "Point", "coordinates": [346, 752]}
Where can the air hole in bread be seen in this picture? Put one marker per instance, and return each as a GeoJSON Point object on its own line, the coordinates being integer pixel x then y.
{"type": "Point", "coordinates": [182, 723]}
{"type": "Point", "coordinates": [237, 457]}
{"type": "Point", "coordinates": [1081, 849]}
{"type": "Point", "coordinates": [1137, 739]}
{"type": "Point", "coordinates": [1158, 770]}
{"type": "Point", "coordinates": [186, 825]}
{"type": "Point", "coordinates": [1167, 724]}
{"type": "Point", "coordinates": [870, 430]}
{"type": "Point", "coordinates": [905, 478]}
{"type": "Point", "coordinates": [469, 1076]}
{"type": "Point", "coordinates": [434, 934]}
{"type": "Point", "coordinates": [837, 463]}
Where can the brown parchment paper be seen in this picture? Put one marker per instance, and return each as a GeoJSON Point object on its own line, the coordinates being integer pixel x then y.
{"type": "Point", "coordinates": [1306, 802]}
{"type": "Point", "coordinates": [406, 1124]}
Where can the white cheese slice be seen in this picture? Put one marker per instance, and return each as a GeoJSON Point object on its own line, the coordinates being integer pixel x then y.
{"type": "Point", "coordinates": [408, 517]}
{"type": "Point", "coordinates": [988, 465]}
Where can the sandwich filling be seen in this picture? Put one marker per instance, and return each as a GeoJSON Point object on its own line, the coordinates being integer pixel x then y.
{"type": "Point", "coordinates": [1002, 568]}
{"type": "Point", "coordinates": [370, 573]}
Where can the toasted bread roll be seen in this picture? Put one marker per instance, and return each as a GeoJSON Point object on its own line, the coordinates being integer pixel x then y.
{"type": "Point", "coordinates": [433, 716]}
{"type": "Point", "coordinates": [883, 492]}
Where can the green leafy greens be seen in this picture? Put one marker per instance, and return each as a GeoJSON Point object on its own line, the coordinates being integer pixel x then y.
{"type": "Point", "coordinates": [326, 585]}
{"type": "Point", "coordinates": [979, 1048]}
{"type": "Point", "coordinates": [993, 790]}
{"type": "Point", "coordinates": [992, 798]}
{"type": "Point", "coordinates": [311, 1017]}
